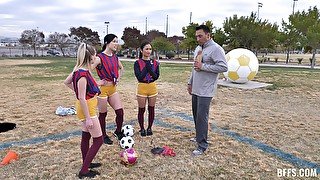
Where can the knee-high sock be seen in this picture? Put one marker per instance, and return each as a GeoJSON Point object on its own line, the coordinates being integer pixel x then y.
{"type": "Point", "coordinates": [102, 120]}
{"type": "Point", "coordinates": [85, 144]}
{"type": "Point", "coordinates": [141, 117]}
{"type": "Point", "coordinates": [119, 119]}
{"type": "Point", "coordinates": [97, 142]}
{"type": "Point", "coordinates": [151, 116]}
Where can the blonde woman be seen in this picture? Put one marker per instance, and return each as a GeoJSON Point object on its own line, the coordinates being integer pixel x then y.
{"type": "Point", "coordinates": [86, 90]}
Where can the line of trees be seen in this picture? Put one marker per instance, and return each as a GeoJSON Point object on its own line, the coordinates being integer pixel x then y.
{"type": "Point", "coordinates": [302, 31]}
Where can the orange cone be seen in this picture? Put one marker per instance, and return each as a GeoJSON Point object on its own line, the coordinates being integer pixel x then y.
{"type": "Point", "coordinates": [11, 155]}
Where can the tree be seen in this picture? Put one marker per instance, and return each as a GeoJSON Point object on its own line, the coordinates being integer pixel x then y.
{"type": "Point", "coordinates": [162, 44]}
{"type": "Point", "coordinates": [176, 41]}
{"type": "Point", "coordinates": [86, 35]}
{"type": "Point", "coordinates": [132, 37]}
{"type": "Point", "coordinates": [219, 36]}
{"type": "Point", "coordinates": [33, 38]}
{"type": "Point", "coordinates": [190, 41]}
{"type": "Point", "coordinates": [308, 24]}
{"type": "Point", "coordinates": [249, 32]}
{"type": "Point", "coordinates": [61, 40]}
{"type": "Point", "coordinates": [151, 35]}
{"type": "Point", "coordinates": [288, 38]}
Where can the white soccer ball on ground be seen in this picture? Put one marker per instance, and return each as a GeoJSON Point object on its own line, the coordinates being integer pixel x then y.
{"type": "Point", "coordinates": [126, 142]}
{"type": "Point", "coordinates": [128, 130]}
{"type": "Point", "coordinates": [243, 65]}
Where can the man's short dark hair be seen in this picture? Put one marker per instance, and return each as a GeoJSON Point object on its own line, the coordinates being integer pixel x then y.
{"type": "Point", "coordinates": [204, 28]}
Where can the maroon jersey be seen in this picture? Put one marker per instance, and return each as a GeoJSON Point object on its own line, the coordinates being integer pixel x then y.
{"type": "Point", "coordinates": [109, 67]}
{"type": "Point", "coordinates": [92, 87]}
{"type": "Point", "coordinates": [146, 71]}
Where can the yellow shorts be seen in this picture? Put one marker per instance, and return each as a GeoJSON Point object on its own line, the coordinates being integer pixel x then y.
{"type": "Point", "coordinates": [107, 91]}
{"type": "Point", "coordinates": [147, 89]}
{"type": "Point", "coordinates": [92, 106]}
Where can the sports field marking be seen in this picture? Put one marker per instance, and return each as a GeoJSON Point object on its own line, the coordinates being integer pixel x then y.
{"type": "Point", "coordinates": [165, 113]}
{"type": "Point", "coordinates": [264, 147]}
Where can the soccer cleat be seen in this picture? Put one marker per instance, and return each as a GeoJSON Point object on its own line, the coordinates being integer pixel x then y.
{"type": "Point", "coordinates": [94, 165]}
{"type": "Point", "coordinates": [89, 174]}
{"type": "Point", "coordinates": [197, 152]}
{"type": "Point", "coordinates": [193, 139]}
{"type": "Point", "coordinates": [107, 140]}
{"type": "Point", "coordinates": [118, 135]}
{"type": "Point", "coordinates": [143, 132]}
{"type": "Point", "coordinates": [149, 132]}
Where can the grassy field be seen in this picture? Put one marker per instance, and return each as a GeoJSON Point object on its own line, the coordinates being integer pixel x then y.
{"type": "Point", "coordinates": [284, 116]}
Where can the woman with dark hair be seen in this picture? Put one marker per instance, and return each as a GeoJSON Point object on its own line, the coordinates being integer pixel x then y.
{"type": "Point", "coordinates": [86, 89]}
{"type": "Point", "coordinates": [109, 69]}
{"type": "Point", "coordinates": [146, 72]}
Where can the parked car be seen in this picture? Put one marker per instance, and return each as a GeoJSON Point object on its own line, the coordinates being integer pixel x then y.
{"type": "Point", "coordinates": [53, 52]}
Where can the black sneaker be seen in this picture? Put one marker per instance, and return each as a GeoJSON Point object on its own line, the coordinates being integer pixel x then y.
{"type": "Point", "coordinates": [143, 132]}
{"type": "Point", "coordinates": [94, 165]}
{"type": "Point", "coordinates": [107, 140]}
{"type": "Point", "coordinates": [89, 174]}
{"type": "Point", "coordinates": [149, 132]}
{"type": "Point", "coordinates": [118, 135]}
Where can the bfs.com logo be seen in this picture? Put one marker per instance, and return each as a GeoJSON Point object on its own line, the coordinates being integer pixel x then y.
{"type": "Point", "coordinates": [292, 172]}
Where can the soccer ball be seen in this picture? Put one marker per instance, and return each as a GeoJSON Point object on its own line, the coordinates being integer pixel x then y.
{"type": "Point", "coordinates": [129, 156]}
{"type": "Point", "coordinates": [243, 65]}
{"type": "Point", "coordinates": [126, 142]}
{"type": "Point", "coordinates": [128, 130]}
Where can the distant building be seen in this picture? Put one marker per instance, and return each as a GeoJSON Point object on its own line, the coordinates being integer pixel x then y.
{"type": "Point", "coordinates": [5, 42]}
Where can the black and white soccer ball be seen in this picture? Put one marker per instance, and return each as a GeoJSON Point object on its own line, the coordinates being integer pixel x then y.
{"type": "Point", "coordinates": [128, 130]}
{"type": "Point", "coordinates": [126, 142]}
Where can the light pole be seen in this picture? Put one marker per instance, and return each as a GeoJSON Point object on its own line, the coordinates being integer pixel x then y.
{"type": "Point", "coordinates": [107, 23]}
{"type": "Point", "coordinates": [294, 3]}
{"type": "Point", "coordinates": [259, 6]}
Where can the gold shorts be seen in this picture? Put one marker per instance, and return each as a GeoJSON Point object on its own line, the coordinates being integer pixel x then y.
{"type": "Point", "coordinates": [107, 91]}
{"type": "Point", "coordinates": [92, 106]}
{"type": "Point", "coordinates": [147, 89]}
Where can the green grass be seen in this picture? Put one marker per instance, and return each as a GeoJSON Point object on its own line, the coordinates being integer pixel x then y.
{"type": "Point", "coordinates": [288, 77]}
{"type": "Point", "coordinates": [59, 68]}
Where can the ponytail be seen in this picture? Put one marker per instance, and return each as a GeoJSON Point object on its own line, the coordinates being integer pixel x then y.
{"type": "Point", "coordinates": [84, 53]}
{"type": "Point", "coordinates": [107, 39]}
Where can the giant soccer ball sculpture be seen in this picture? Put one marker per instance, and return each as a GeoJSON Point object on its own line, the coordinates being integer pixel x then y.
{"type": "Point", "coordinates": [243, 65]}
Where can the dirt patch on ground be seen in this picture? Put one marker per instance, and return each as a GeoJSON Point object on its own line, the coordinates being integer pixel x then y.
{"type": "Point", "coordinates": [8, 62]}
{"type": "Point", "coordinates": [286, 119]}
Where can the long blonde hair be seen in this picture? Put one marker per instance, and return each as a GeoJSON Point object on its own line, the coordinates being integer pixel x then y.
{"type": "Point", "coordinates": [85, 51]}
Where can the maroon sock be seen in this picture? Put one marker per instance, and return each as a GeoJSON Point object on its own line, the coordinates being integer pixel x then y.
{"type": "Point", "coordinates": [97, 142]}
{"type": "Point", "coordinates": [85, 144]}
{"type": "Point", "coordinates": [119, 119]}
{"type": "Point", "coordinates": [151, 116]}
{"type": "Point", "coordinates": [102, 120]}
{"type": "Point", "coordinates": [141, 117]}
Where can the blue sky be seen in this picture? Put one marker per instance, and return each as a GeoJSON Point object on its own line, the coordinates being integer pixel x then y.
{"type": "Point", "coordinates": [59, 15]}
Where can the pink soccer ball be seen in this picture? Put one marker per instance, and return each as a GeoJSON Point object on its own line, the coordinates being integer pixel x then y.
{"type": "Point", "coordinates": [129, 156]}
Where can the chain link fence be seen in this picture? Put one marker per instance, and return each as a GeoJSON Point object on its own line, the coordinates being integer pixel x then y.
{"type": "Point", "coordinates": [19, 51]}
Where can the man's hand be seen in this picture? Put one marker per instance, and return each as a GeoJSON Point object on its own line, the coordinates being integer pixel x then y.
{"type": "Point", "coordinates": [189, 88]}
{"type": "Point", "coordinates": [197, 65]}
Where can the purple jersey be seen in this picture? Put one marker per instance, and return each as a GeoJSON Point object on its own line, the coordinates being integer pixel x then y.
{"type": "Point", "coordinates": [108, 69]}
{"type": "Point", "coordinates": [92, 87]}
